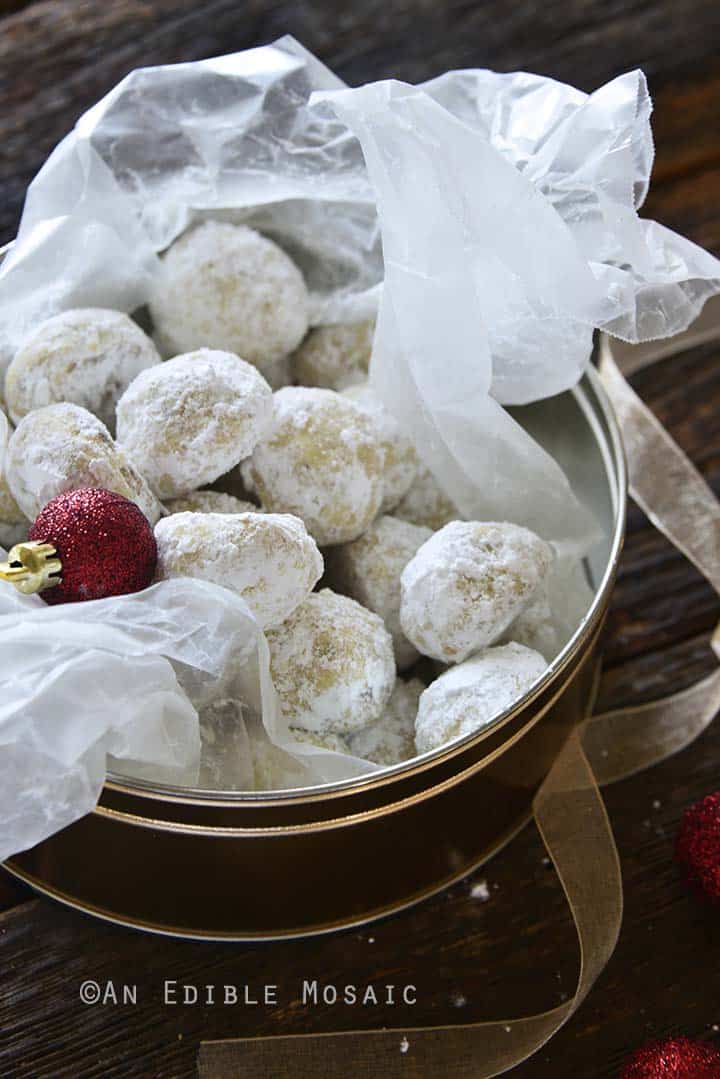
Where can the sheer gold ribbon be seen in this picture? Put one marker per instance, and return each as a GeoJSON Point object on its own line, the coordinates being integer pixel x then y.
{"type": "Point", "coordinates": [568, 810]}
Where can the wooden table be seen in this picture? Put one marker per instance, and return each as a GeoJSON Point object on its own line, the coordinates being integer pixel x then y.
{"type": "Point", "coordinates": [469, 959]}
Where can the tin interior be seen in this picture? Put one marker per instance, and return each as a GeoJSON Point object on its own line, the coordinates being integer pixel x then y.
{"type": "Point", "coordinates": [579, 430]}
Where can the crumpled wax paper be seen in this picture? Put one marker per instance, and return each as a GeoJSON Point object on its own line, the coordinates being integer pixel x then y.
{"type": "Point", "coordinates": [492, 218]}
{"type": "Point", "coordinates": [505, 207]}
{"type": "Point", "coordinates": [125, 678]}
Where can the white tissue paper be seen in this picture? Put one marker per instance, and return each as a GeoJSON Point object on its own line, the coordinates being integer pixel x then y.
{"type": "Point", "coordinates": [505, 207]}
{"type": "Point", "coordinates": [123, 677]}
{"type": "Point", "coordinates": [493, 219]}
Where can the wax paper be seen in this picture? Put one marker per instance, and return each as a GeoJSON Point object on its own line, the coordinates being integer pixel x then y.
{"type": "Point", "coordinates": [496, 214]}
{"type": "Point", "coordinates": [125, 677]}
{"type": "Point", "coordinates": [491, 223]}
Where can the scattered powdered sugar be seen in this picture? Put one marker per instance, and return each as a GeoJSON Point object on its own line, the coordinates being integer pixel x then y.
{"type": "Point", "coordinates": [87, 356]}
{"type": "Point", "coordinates": [391, 738]}
{"type": "Point", "coordinates": [332, 664]}
{"type": "Point", "coordinates": [471, 695]}
{"type": "Point", "coordinates": [425, 503]}
{"type": "Point", "coordinates": [64, 447]}
{"type": "Point", "coordinates": [335, 357]}
{"type": "Point", "coordinates": [321, 460]}
{"type": "Point", "coordinates": [225, 286]}
{"type": "Point", "coordinates": [480, 891]}
{"type": "Point", "coordinates": [401, 460]}
{"type": "Point", "coordinates": [369, 569]}
{"type": "Point", "coordinates": [467, 583]}
{"type": "Point", "coordinates": [268, 558]}
{"type": "Point", "coordinates": [189, 420]}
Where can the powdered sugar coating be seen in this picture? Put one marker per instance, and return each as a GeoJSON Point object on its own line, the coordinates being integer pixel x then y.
{"type": "Point", "coordinates": [13, 522]}
{"type": "Point", "coordinates": [401, 460]}
{"type": "Point", "coordinates": [332, 664]}
{"type": "Point", "coordinates": [321, 460]}
{"type": "Point", "coordinates": [191, 419]}
{"type": "Point", "coordinates": [369, 570]}
{"type": "Point", "coordinates": [335, 357]}
{"type": "Point", "coordinates": [268, 558]}
{"type": "Point", "coordinates": [469, 696]}
{"type": "Point", "coordinates": [391, 738]}
{"type": "Point", "coordinates": [226, 287]}
{"type": "Point", "coordinates": [88, 356]}
{"type": "Point", "coordinates": [210, 502]}
{"type": "Point", "coordinates": [467, 584]}
{"type": "Point", "coordinates": [535, 626]}
{"type": "Point", "coordinates": [424, 503]}
{"type": "Point", "coordinates": [64, 447]}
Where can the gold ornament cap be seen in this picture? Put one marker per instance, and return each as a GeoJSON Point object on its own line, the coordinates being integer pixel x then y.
{"type": "Point", "coordinates": [32, 567]}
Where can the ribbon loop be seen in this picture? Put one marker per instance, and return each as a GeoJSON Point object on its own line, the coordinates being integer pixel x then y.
{"type": "Point", "coordinates": [569, 813]}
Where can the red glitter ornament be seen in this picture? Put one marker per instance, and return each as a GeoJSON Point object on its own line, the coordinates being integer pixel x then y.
{"type": "Point", "coordinates": [675, 1058]}
{"type": "Point", "coordinates": [105, 544]}
{"type": "Point", "coordinates": [697, 847]}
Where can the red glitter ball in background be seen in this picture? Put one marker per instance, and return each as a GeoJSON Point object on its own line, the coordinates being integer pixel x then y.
{"type": "Point", "coordinates": [105, 544]}
{"type": "Point", "coordinates": [675, 1058]}
{"type": "Point", "coordinates": [697, 847]}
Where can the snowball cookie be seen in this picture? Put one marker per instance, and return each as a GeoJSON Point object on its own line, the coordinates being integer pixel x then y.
{"type": "Point", "coordinates": [322, 460]}
{"type": "Point", "coordinates": [268, 558]}
{"type": "Point", "coordinates": [332, 664]}
{"type": "Point", "coordinates": [465, 586]}
{"type": "Point", "coordinates": [401, 460]}
{"type": "Point", "coordinates": [470, 695]}
{"type": "Point", "coordinates": [535, 626]}
{"type": "Point", "coordinates": [13, 522]}
{"type": "Point", "coordinates": [210, 502]}
{"type": "Point", "coordinates": [88, 356]}
{"type": "Point", "coordinates": [391, 739]}
{"type": "Point", "coordinates": [64, 447]}
{"type": "Point", "coordinates": [335, 357]}
{"type": "Point", "coordinates": [369, 569]}
{"type": "Point", "coordinates": [227, 287]}
{"type": "Point", "coordinates": [426, 504]}
{"type": "Point", "coordinates": [192, 418]}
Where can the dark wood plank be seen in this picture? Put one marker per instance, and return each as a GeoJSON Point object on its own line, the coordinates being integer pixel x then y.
{"type": "Point", "coordinates": [57, 58]}
{"type": "Point", "coordinates": [469, 959]}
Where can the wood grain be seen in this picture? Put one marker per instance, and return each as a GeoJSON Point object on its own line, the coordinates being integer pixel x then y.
{"type": "Point", "coordinates": [469, 959]}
